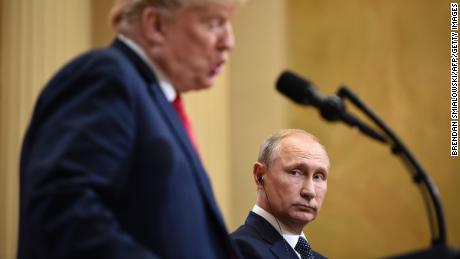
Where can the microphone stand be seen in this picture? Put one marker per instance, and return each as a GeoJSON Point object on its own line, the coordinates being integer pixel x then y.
{"type": "Point", "coordinates": [420, 177]}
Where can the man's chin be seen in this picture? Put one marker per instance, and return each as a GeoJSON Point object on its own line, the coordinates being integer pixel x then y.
{"type": "Point", "coordinates": [209, 82]}
{"type": "Point", "coordinates": [197, 87]}
{"type": "Point", "coordinates": [205, 83]}
{"type": "Point", "coordinates": [303, 217]}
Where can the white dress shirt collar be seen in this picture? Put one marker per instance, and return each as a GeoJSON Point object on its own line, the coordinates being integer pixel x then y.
{"type": "Point", "coordinates": [291, 238]}
{"type": "Point", "coordinates": [165, 85]}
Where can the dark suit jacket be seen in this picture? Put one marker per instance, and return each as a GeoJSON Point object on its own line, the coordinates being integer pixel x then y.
{"type": "Point", "coordinates": [257, 238]}
{"type": "Point", "coordinates": [107, 169]}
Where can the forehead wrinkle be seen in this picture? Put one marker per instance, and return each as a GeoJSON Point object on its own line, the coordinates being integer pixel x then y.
{"type": "Point", "coordinates": [294, 152]}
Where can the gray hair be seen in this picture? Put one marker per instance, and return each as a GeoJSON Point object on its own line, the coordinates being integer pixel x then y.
{"type": "Point", "coordinates": [270, 147]}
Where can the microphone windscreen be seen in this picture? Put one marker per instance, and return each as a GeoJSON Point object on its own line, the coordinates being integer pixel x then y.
{"type": "Point", "coordinates": [294, 87]}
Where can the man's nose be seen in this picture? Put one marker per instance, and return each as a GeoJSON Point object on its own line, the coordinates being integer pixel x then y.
{"type": "Point", "coordinates": [227, 41]}
{"type": "Point", "coordinates": [308, 189]}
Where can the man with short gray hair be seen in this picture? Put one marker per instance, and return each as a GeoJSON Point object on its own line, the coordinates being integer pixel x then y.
{"type": "Point", "coordinates": [291, 178]}
{"type": "Point", "coordinates": [109, 165]}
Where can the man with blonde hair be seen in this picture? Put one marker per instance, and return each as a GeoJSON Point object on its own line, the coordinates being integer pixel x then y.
{"type": "Point", "coordinates": [109, 165]}
{"type": "Point", "coordinates": [291, 178]}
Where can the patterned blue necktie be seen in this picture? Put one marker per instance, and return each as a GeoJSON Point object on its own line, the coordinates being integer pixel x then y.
{"type": "Point", "coordinates": [304, 249]}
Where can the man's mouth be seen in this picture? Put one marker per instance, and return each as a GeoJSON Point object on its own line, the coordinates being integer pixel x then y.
{"type": "Point", "coordinates": [216, 68]}
{"type": "Point", "coordinates": [307, 208]}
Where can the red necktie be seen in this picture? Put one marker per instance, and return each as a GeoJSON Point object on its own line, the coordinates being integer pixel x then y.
{"type": "Point", "coordinates": [179, 106]}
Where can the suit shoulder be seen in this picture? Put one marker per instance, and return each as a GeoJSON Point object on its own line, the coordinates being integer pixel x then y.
{"type": "Point", "coordinates": [247, 236]}
{"type": "Point", "coordinates": [102, 67]}
{"type": "Point", "coordinates": [95, 76]}
{"type": "Point", "coordinates": [250, 244]}
{"type": "Point", "coordinates": [106, 62]}
{"type": "Point", "coordinates": [244, 231]}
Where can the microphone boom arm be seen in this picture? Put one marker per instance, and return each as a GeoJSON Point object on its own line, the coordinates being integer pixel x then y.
{"type": "Point", "coordinates": [332, 108]}
{"type": "Point", "coordinates": [420, 177]}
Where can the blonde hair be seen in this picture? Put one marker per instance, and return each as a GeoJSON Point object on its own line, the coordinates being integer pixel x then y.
{"type": "Point", "coordinates": [125, 13]}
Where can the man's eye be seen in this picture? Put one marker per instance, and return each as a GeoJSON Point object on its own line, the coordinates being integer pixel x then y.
{"type": "Point", "coordinates": [295, 172]}
{"type": "Point", "coordinates": [319, 177]}
{"type": "Point", "coordinates": [215, 23]}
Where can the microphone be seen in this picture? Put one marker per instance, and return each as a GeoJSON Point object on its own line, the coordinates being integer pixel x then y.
{"type": "Point", "coordinates": [298, 89]}
{"type": "Point", "coordinates": [331, 108]}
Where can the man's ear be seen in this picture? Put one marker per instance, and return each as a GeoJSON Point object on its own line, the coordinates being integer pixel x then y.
{"type": "Point", "coordinates": [152, 24]}
{"type": "Point", "coordinates": [258, 171]}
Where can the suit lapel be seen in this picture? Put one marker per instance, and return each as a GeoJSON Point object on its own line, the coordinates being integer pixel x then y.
{"type": "Point", "coordinates": [170, 115]}
{"type": "Point", "coordinates": [279, 247]}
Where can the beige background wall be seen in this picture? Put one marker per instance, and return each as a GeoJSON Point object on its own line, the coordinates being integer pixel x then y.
{"type": "Point", "coordinates": [393, 54]}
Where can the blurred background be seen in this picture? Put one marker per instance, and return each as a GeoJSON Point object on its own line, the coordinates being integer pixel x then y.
{"type": "Point", "coordinates": [394, 54]}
